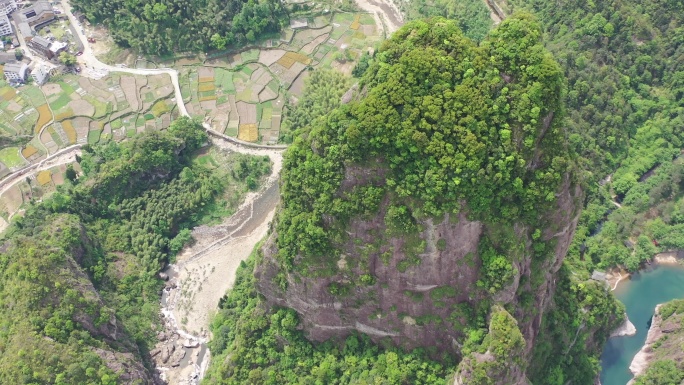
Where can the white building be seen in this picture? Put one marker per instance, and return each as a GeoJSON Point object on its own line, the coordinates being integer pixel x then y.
{"type": "Point", "coordinates": [7, 6]}
{"type": "Point", "coordinates": [15, 72]}
{"type": "Point", "coordinates": [41, 74]}
{"type": "Point", "coordinates": [5, 25]}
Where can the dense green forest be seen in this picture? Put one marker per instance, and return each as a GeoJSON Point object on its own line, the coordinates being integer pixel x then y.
{"type": "Point", "coordinates": [253, 344]}
{"type": "Point", "coordinates": [324, 90]}
{"type": "Point", "coordinates": [447, 125]}
{"type": "Point", "coordinates": [623, 61]}
{"type": "Point", "coordinates": [155, 27]}
{"type": "Point", "coordinates": [472, 16]}
{"type": "Point", "coordinates": [79, 269]}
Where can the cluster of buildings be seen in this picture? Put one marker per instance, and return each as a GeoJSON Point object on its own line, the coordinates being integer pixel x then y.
{"type": "Point", "coordinates": [28, 19]}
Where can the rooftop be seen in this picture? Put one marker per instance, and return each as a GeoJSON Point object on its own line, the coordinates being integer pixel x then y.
{"type": "Point", "coordinates": [41, 41]}
{"type": "Point", "coordinates": [16, 67]}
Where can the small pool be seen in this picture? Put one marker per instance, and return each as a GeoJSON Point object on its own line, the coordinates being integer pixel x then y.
{"type": "Point", "coordinates": [640, 294]}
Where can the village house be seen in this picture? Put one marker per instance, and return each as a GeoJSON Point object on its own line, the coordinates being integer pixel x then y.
{"type": "Point", "coordinates": [33, 18]}
{"type": "Point", "coordinates": [37, 15]}
{"type": "Point", "coordinates": [41, 74]}
{"type": "Point", "coordinates": [6, 57]}
{"type": "Point", "coordinates": [41, 46]}
{"type": "Point", "coordinates": [15, 72]}
{"type": "Point", "coordinates": [7, 6]}
{"type": "Point", "coordinates": [5, 25]}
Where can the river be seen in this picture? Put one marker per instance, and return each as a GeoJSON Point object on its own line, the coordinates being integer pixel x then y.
{"type": "Point", "coordinates": [640, 295]}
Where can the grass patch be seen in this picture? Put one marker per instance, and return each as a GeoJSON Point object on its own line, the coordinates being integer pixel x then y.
{"type": "Point", "coordinates": [34, 94]}
{"type": "Point", "coordinates": [7, 93]}
{"type": "Point", "coordinates": [247, 70]}
{"type": "Point", "coordinates": [159, 108]}
{"type": "Point", "coordinates": [94, 136]}
{"type": "Point", "coordinates": [148, 117]}
{"type": "Point", "coordinates": [224, 80]}
{"type": "Point", "coordinates": [60, 102]}
{"type": "Point", "coordinates": [66, 87]}
{"type": "Point", "coordinates": [10, 157]}
{"type": "Point", "coordinates": [116, 124]}
{"type": "Point", "coordinates": [101, 108]}
{"type": "Point", "coordinates": [250, 55]}
{"type": "Point", "coordinates": [130, 132]}
{"type": "Point", "coordinates": [66, 114]}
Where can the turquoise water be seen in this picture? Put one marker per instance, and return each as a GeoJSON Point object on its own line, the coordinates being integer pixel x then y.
{"type": "Point", "coordinates": [640, 295]}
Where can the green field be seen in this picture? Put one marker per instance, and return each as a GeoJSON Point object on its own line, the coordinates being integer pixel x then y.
{"type": "Point", "coordinates": [224, 80]}
{"type": "Point", "coordinates": [10, 157]}
{"type": "Point", "coordinates": [94, 136]}
{"type": "Point", "coordinates": [60, 102]}
{"type": "Point", "coordinates": [250, 55]}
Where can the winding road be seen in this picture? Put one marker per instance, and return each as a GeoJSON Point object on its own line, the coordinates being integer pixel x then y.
{"type": "Point", "coordinates": [89, 60]}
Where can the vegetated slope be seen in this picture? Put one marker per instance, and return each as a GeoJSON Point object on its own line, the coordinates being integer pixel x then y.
{"type": "Point", "coordinates": [79, 292]}
{"type": "Point", "coordinates": [666, 355]}
{"type": "Point", "coordinates": [183, 25]}
{"type": "Point", "coordinates": [433, 211]}
{"type": "Point", "coordinates": [472, 16]}
{"type": "Point", "coordinates": [624, 61]}
{"type": "Point", "coordinates": [623, 64]}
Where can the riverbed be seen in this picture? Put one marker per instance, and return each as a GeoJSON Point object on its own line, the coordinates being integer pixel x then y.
{"type": "Point", "coordinates": [640, 294]}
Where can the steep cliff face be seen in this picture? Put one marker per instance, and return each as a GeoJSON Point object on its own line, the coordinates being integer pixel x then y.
{"type": "Point", "coordinates": [426, 304]}
{"type": "Point", "coordinates": [436, 208]}
{"type": "Point", "coordinates": [660, 359]}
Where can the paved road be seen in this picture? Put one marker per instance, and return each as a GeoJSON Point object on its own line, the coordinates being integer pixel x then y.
{"type": "Point", "coordinates": [88, 59]}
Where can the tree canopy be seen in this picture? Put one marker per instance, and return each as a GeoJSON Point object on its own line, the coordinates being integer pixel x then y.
{"type": "Point", "coordinates": [155, 27]}
{"type": "Point", "coordinates": [449, 120]}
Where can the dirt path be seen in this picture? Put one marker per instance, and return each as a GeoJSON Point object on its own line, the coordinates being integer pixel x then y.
{"type": "Point", "coordinates": [387, 15]}
{"type": "Point", "coordinates": [495, 12]}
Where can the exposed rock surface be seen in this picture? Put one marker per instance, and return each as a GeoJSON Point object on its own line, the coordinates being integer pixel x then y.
{"type": "Point", "coordinates": [642, 359]}
{"type": "Point", "coordinates": [626, 329]}
{"type": "Point", "coordinates": [384, 309]}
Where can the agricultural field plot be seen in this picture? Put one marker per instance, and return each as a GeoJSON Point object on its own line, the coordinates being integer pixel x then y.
{"type": "Point", "coordinates": [35, 186]}
{"type": "Point", "coordinates": [71, 110]}
{"type": "Point", "coordinates": [242, 94]}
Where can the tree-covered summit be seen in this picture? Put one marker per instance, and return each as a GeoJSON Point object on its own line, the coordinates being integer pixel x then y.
{"type": "Point", "coordinates": [445, 121]}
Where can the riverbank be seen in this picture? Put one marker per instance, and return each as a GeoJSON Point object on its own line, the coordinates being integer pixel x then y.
{"type": "Point", "coordinates": [642, 359]}
{"type": "Point", "coordinates": [204, 272]}
{"type": "Point", "coordinates": [641, 293]}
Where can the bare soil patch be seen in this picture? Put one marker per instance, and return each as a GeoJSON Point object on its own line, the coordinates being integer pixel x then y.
{"type": "Point", "coordinates": [247, 113]}
{"type": "Point", "coordinates": [268, 57]}
{"type": "Point", "coordinates": [81, 107]}
{"type": "Point", "coordinates": [51, 89]}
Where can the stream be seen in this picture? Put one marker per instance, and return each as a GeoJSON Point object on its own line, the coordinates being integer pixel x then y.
{"type": "Point", "coordinates": [640, 295]}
